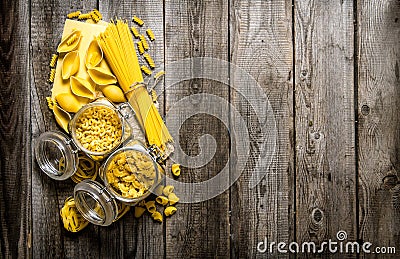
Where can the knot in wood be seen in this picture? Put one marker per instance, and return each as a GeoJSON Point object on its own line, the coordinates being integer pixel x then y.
{"type": "Point", "coordinates": [317, 215]}
{"type": "Point", "coordinates": [365, 110]}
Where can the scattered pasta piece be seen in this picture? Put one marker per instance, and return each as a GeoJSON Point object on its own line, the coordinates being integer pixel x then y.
{"type": "Point", "coordinates": [176, 170]}
{"type": "Point", "coordinates": [159, 190]}
{"type": "Point", "coordinates": [144, 42]}
{"type": "Point", "coordinates": [97, 13]}
{"type": "Point", "coordinates": [169, 210]}
{"type": "Point", "coordinates": [53, 60]}
{"type": "Point", "coordinates": [168, 189]}
{"type": "Point", "coordinates": [73, 221]}
{"type": "Point", "coordinates": [71, 40]}
{"type": "Point", "coordinates": [157, 216]}
{"type": "Point", "coordinates": [135, 32]}
{"type": "Point", "coordinates": [150, 34]}
{"type": "Point", "coordinates": [139, 45]}
{"type": "Point", "coordinates": [138, 21]}
{"type": "Point", "coordinates": [153, 94]}
{"type": "Point", "coordinates": [149, 60]}
{"type": "Point", "coordinates": [139, 211]}
{"type": "Point", "coordinates": [85, 16]}
{"type": "Point", "coordinates": [151, 206]}
{"type": "Point", "coordinates": [50, 102]}
{"type": "Point", "coordinates": [162, 200]}
{"type": "Point", "coordinates": [74, 14]}
{"type": "Point", "coordinates": [173, 198]}
{"type": "Point", "coordinates": [52, 75]}
{"type": "Point", "coordinates": [146, 70]}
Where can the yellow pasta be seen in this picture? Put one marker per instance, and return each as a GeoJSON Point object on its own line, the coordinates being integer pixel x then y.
{"type": "Point", "coordinates": [151, 206]}
{"type": "Point", "coordinates": [87, 169]}
{"type": "Point", "coordinates": [150, 34]}
{"type": "Point", "coordinates": [168, 189]}
{"type": "Point", "coordinates": [71, 40]}
{"type": "Point", "coordinates": [135, 32]}
{"type": "Point", "coordinates": [176, 170]}
{"type": "Point", "coordinates": [62, 117]}
{"type": "Point", "coordinates": [73, 14]}
{"type": "Point", "coordinates": [73, 221]}
{"type": "Point", "coordinates": [153, 94]}
{"type": "Point", "coordinates": [53, 60]}
{"type": "Point", "coordinates": [157, 216]}
{"type": "Point", "coordinates": [85, 16]}
{"type": "Point", "coordinates": [145, 70]}
{"type": "Point", "coordinates": [122, 210]}
{"type": "Point", "coordinates": [70, 64]}
{"type": "Point", "coordinates": [159, 74]}
{"type": "Point", "coordinates": [162, 200]}
{"type": "Point", "coordinates": [52, 75]}
{"type": "Point", "coordinates": [169, 211]}
{"type": "Point", "coordinates": [144, 42]}
{"type": "Point", "coordinates": [140, 48]}
{"type": "Point", "coordinates": [97, 13]}
{"type": "Point", "coordinates": [138, 21]}
{"type": "Point", "coordinates": [139, 211]}
{"type": "Point", "coordinates": [149, 60]}
{"type": "Point", "coordinates": [172, 198]}
{"type": "Point", "coordinates": [101, 76]}
{"type": "Point", "coordinates": [159, 190]}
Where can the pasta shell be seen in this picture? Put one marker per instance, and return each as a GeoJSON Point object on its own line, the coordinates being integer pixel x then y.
{"type": "Point", "coordinates": [68, 102]}
{"type": "Point", "coordinates": [113, 93]}
{"type": "Point", "coordinates": [69, 42]}
{"type": "Point", "coordinates": [70, 64]}
{"type": "Point", "coordinates": [173, 198]}
{"type": "Point", "coordinates": [157, 216]}
{"type": "Point", "coordinates": [62, 117]}
{"type": "Point", "coordinates": [176, 170]}
{"type": "Point", "coordinates": [162, 200]}
{"type": "Point", "coordinates": [101, 76]}
{"type": "Point", "coordinates": [169, 211]}
{"type": "Point", "coordinates": [139, 211]}
{"type": "Point", "coordinates": [94, 54]}
{"type": "Point", "coordinates": [82, 87]}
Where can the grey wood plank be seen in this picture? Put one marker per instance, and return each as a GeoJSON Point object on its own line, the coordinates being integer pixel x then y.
{"type": "Point", "coordinates": [379, 123]}
{"type": "Point", "coordinates": [261, 44]}
{"type": "Point", "coordinates": [131, 237]}
{"type": "Point", "coordinates": [197, 29]}
{"type": "Point", "coordinates": [15, 141]}
{"type": "Point", "coordinates": [49, 238]}
{"type": "Point", "coordinates": [325, 129]}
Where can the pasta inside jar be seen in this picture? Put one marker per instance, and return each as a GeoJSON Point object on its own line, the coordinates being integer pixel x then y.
{"type": "Point", "coordinates": [98, 129]}
{"type": "Point", "coordinates": [131, 174]}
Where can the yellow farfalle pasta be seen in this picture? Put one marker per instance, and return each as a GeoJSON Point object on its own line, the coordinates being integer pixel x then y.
{"type": "Point", "coordinates": [168, 189]}
{"type": "Point", "coordinates": [172, 198]}
{"type": "Point", "coordinates": [70, 64]}
{"type": "Point", "coordinates": [150, 34]}
{"type": "Point", "coordinates": [53, 60]}
{"type": "Point", "coordinates": [150, 206]}
{"type": "Point", "coordinates": [73, 14]}
{"type": "Point", "coordinates": [72, 220]}
{"type": "Point", "coordinates": [138, 21]}
{"type": "Point", "coordinates": [139, 211]}
{"type": "Point", "coordinates": [176, 170]}
{"type": "Point", "coordinates": [157, 216]}
{"type": "Point", "coordinates": [149, 60]}
{"type": "Point", "coordinates": [169, 211]}
{"type": "Point", "coordinates": [162, 200]}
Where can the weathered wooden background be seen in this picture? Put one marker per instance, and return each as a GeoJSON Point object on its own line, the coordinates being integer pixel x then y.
{"type": "Point", "coordinates": [330, 69]}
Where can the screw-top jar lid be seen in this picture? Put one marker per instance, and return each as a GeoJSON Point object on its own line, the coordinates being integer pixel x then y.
{"type": "Point", "coordinates": [56, 155]}
{"type": "Point", "coordinates": [95, 203]}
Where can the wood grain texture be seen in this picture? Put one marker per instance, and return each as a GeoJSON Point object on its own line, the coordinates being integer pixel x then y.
{"type": "Point", "coordinates": [325, 129]}
{"type": "Point", "coordinates": [379, 122]}
{"type": "Point", "coordinates": [49, 238]}
{"type": "Point", "coordinates": [261, 45]}
{"type": "Point", "coordinates": [196, 29]}
{"type": "Point", "coordinates": [131, 237]}
{"type": "Point", "coordinates": [15, 145]}
{"type": "Point", "coordinates": [325, 153]}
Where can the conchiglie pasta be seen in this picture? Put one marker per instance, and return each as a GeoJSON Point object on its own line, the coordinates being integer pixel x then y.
{"type": "Point", "coordinates": [102, 76]}
{"type": "Point", "coordinates": [113, 93]}
{"type": "Point", "coordinates": [62, 117]}
{"type": "Point", "coordinates": [68, 102]}
{"type": "Point", "coordinates": [151, 206]}
{"type": "Point", "coordinates": [69, 42]}
{"type": "Point", "coordinates": [169, 211]}
{"type": "Point", "coordinates": [70, 64]}
{"type": "Point", "coordinates": [94, 54]}
{"type": "Point", "coordinates": [82, 87]}
{"type": "Point", "coordinates": [162, 200]}
{"type": "Point", "coordinates": [157, 216]}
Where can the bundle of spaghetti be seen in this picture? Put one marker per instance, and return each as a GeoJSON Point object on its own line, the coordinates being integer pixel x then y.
{"type": "Point", "coordinates": [119, 49]}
